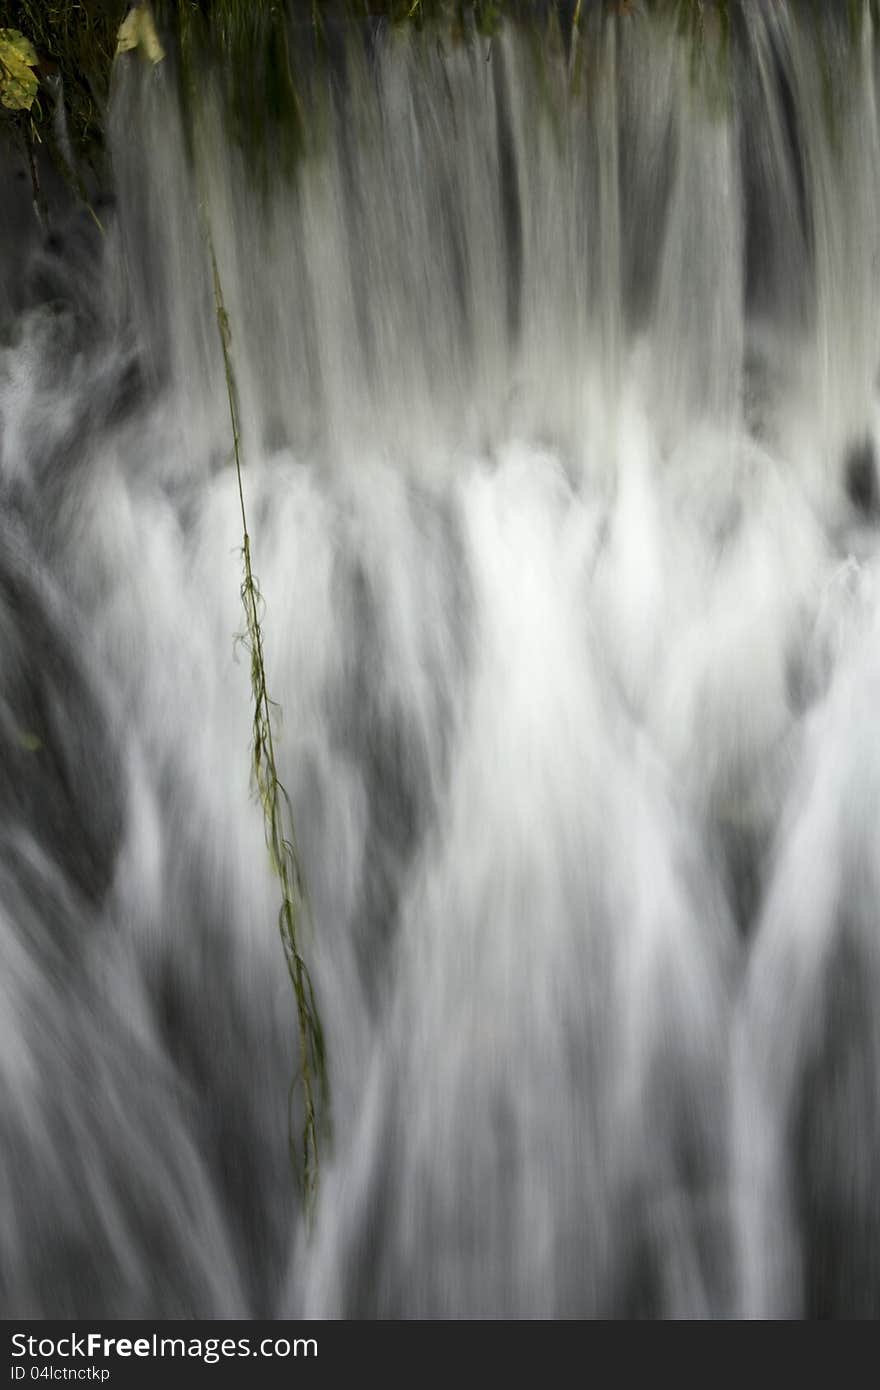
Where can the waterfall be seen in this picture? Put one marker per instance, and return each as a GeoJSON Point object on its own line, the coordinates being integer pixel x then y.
{"type": "Point", "coordinates": [558, 387]}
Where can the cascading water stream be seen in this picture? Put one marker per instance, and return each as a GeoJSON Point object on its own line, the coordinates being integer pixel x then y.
{"type": "Point", "coordinates": [558, 394]}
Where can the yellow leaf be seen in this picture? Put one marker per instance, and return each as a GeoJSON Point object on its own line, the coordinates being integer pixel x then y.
{"type": "Point", "coordinates": [18, 81]}
{"type": "Point", "coordinates": [14, 43]}
{"type": "Point", "coordinates": [138, 32]}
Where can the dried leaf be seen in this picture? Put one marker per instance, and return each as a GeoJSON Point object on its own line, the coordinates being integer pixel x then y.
{"type": "Point", "coordinates": [137, 32]}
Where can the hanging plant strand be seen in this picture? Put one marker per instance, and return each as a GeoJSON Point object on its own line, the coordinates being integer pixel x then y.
{"type": "Point", "coordinates": [277, 811]}
{"type": "Point", "coordinates": [277, 815]}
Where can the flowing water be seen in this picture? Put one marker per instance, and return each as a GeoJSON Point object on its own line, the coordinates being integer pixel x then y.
{"type": "Point", "coordinates": [559, 406]}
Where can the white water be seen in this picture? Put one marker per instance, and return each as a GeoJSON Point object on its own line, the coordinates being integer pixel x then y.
{"type": "Point", "coordinates": [576, 633]}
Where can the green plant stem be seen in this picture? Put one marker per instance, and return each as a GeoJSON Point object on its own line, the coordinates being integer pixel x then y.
{"type": "Point", "coordinates": [575, 41]}
{"type": "Point", "coordinates": [276, 806]}
{"type": "Point", "coordinates": [41, 209]}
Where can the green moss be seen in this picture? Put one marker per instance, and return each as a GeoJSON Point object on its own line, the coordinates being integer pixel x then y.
{"type": "Point", "coordinates": [264, 53]}
{"type": "Point", "coordinates": [259, 48]}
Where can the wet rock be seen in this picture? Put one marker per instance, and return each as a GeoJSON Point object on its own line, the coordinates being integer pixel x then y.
{"type": "Point", "coordinates": [861, 477]}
